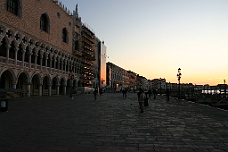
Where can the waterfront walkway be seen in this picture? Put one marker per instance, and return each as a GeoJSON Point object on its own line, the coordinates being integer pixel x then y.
{"type": "Point", "coordinates": [112, 123]}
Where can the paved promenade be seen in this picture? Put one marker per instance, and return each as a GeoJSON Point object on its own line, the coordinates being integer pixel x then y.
{"type": "Point", "coordinates": [111, 124]}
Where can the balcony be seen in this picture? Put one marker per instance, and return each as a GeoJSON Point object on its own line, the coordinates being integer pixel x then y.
{"type": "Point", "coordinates": [30, 67]}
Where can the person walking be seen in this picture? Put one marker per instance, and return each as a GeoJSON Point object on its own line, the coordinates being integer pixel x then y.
{"type": "Point", "coordinates": [155, 93]}
{"type": "Point", "coordinates": [95, 94]}
{"type": "Point", "coordinates": [141, 101]}
{"type": "Point", "coordinates": [124, 93]}
{"type": "Point", "coordinates": [150, 93]}
{"type": "Point", "coordinates": [146, 100]}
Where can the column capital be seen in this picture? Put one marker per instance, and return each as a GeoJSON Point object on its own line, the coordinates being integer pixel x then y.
{"type": "Point", "coordinates": [46, 54]}
{"type": "Point", "coordinates": [41, 53]}
{"type": "Point", "coordinates": [51, 55]}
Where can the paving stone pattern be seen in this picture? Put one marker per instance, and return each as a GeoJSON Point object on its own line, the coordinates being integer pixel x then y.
{"type": "Point", "coordinates": [111, 124]}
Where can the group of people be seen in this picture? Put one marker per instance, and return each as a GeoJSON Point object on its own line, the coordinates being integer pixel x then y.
{"type": "Point", "coordinates": [143, 98]}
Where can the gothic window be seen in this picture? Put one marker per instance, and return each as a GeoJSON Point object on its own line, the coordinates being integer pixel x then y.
{"type": "Point", "coordinates": [64, 35]}
{"type": "Point", "coordinates": [14, 6]}
{"type": "Point", "coordinates": [44, 23]}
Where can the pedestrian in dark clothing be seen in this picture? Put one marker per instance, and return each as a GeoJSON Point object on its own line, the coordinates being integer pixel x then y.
{"type": "Point", "coordinates": [155, 93]}
{"type": "Point", "coordinates": [150, 93]}
{"type": "Point", "coordinates": [124, 93]}
{"type": "Point", "coordinates": [95, 94]}
{"type": "Point", "coordinates": [167, 94]}
{"type": "Point", "coordinates": [146, 99]}
{"type": "Point", "coordinates": [141, 101]}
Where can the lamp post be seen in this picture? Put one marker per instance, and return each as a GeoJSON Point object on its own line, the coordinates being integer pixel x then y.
{"type": "Point", "coordinates": [179, 77]}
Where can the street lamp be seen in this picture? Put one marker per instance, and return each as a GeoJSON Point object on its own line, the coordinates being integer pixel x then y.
{"type": "Point", "coordinates": [179, 77]}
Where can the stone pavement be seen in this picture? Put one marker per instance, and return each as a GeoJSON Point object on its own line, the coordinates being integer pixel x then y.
{"type": "Point", "coordinates": [112, 123]}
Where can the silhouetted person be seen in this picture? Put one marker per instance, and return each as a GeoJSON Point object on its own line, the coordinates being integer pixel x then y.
{"type": "Point", "coordinates": [155, 93]}
{"type": "Point", "coordinates": [146, 99]}
{"type": "Point", "coordinates": [95, 94]}
{"type": "Point", "coordinates": [141, 101]}
{"type": "Point", "coordinates": [167, 94]}
{"type": "Point", "coordinates": [124, 93]}
{"type": "Point", "coordinates": [150, 93]}
{"type": "Point", "coordinates": [138, 94]}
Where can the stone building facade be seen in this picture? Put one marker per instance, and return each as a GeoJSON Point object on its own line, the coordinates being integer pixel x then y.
{"type": "Point", "coordinates": [36, 47]}
{"type": "Point", "coordinates": [133, 80]}
{"type": "Point", "coordinates": [117, 77]}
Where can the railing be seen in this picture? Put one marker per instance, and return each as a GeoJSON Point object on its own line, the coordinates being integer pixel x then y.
{"type": "Point", "coordinates": [11, 61]}
{"type": "Point", "coordinates": [19, 63]}
{"type": "Point", "coordinates": [2, 59]}
{"type": "Point", "coordinates": [32, 65]}
{"type": "Point", "coordinates": [27, 66]}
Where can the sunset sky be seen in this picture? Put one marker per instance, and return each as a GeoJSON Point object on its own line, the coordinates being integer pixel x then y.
{"type": "Point", "coordinates": [156, 37]}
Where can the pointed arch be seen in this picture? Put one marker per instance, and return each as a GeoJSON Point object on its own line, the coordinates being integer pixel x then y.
{"type": "Point", "coordinates": [55, 83]}
{"type": "Point", "coordinates": [46, 82]}
{"type": "Point", "coordinates": [64, 35]}
{"type": "Point", "coordinates": [26, 74]}
{"type": "Point", "coordinates": [22, 81]}
{"type": "Point", "coordinates": [7, 78]}
{"type": "Point", "coordinates": [45, 23]}
{"type": "Point", "coordinates": [35, 83]}
{"type": "Point", "coordinates": [62, 86]}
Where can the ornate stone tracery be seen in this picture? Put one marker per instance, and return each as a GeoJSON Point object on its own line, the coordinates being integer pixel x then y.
{"type": "Point", "coordinates": [22, 46]}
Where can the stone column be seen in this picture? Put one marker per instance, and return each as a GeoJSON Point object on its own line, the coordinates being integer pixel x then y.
{"type": "Point", "coordinates": [62, 59]}
{"type": "Point", "coordinates": [51, 55]}
{"type": "Point", "coordinates": [23, 58]}
{"type": "Point", "coordinates": [49, 90]}
{"type": "Point", "coordinates": [54, 61]}
{"type": "Point", "coordinates": [15, 55]}
{"type": "Point", "coordinates": [46, 58]}
{"type": "Point", "coordinates": [40, 89]}
{"type": "Point", "coordinates": [7, 53]}
{"type": "Point", "coordinates": [71, 85]}
{"type": "Point", "coordinates": [28, 89]}
{"type": "Point", "coordinates": [14, 85]}
{"type": "Point", "coordinates": [30, 56]}
{"type": "Point", "coordinates": [57, 87]}
{"type": "Point", "coordinates": [70, 65]}
{"type": "Point", "coordinates": [64, 89]}
{"type": "Point", "coordinates": [76, 84]}
{"type": "Point", "coordinates": [65, 66]}
{"type": "Point", "coordinates": [41, 59]}
{"type": "Point", "coordinates": [73, 64]}
{"type": "Point", "coordinates": [58, 63]}
{"type": "Point", "coordinates": [36, 55]}
{"type": "Point", "coordinates": [1, 37]}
